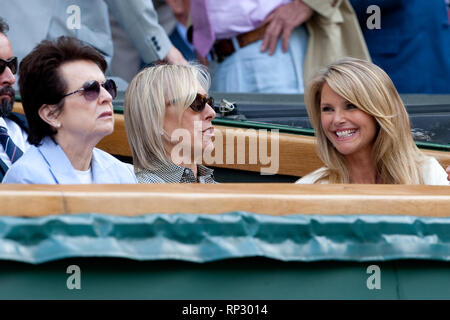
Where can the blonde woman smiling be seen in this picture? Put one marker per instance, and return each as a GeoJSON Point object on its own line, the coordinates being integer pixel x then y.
{"type": "Point", "coordinates": [363, 129]}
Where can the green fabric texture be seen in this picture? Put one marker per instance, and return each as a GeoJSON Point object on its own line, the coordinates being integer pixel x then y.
{"type": "Point", "coordinates": [203, 238]}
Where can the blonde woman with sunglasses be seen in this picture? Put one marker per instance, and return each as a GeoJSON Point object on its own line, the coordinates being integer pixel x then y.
{"type": "Point", "coordinates": [363, 129]}
{"type": "Point", "coordinates": [168, 116]}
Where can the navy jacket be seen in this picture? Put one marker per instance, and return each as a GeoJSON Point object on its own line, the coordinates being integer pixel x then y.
{"type": "Point", "coordinates": [413, 44]}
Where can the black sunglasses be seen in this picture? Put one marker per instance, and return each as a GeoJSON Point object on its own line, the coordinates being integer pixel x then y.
{"type": "Point", "coordinates": [91, 89]}
{"type": "Point", "coordinates": [200, 102]}
{"type": "Point", "coordinates": [10, 63]}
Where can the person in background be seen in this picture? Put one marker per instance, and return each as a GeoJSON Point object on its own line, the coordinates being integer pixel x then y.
{"type": "Point", "coordinates": [363, 130]}
{"type": "Point", "coordinates": [127, 62]}
{"type": "Point", "coordinates": [412, 43]}
{"type": "Point", "coordinates": [88, 21]}
{"type": "Point", "coordinates": [174, 16]}
{"type": "Point", "coordinates": [271, 46]}
{"type": "Point", "coordinates": [68, 105]}
{"type": "Point", "coordinates": [168, 118]}
{"type": "Point", "coordinates": [13, 126]}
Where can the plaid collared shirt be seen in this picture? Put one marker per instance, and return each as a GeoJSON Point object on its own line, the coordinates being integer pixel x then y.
{"type": "Point", "coordinates": [175, 174]}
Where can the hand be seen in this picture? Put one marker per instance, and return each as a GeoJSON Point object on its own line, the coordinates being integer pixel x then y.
{"type": "Point", "coordinates": [448, 172]}
{"type": "Point", "coordinates": [175, 57]}
{"type": "Point", "coordinates": [202, 60]}
{"type": "Point", "coordinates": [282, 21]}
{"type": "Point", "coordinates": [180, 9]}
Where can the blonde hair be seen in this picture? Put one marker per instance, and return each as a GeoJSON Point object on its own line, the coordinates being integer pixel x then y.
{"type": "Point", "coordinates": [145, 105]}
{"type": "Point", "coordinates": [370, 89]}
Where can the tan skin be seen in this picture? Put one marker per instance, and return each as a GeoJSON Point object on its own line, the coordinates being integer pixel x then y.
{"type": "Point", "coordinates": [6, 78]}
{"type": "Point", "coordinates": [174, 56]}
{"type": "Point", "coordinates": [448, 172]}
{"type": "Point", "coordinates": [81, 124]}
{"type": "Point", "coordinates": [188, 119]}
{"type": "Point", "coordinates": [282, 21]}
{"type": "Point", "coordinates": [180, 9]}
{"type": "Point", "coordinates": [352, 132]}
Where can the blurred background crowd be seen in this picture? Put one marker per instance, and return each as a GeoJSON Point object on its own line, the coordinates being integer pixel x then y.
{"type": "Point", "coordinates": [265, 46]}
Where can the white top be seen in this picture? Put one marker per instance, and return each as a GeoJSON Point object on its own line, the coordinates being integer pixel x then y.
{"type": "Point", "coordinates": [312, 177]}
{"type": "Point", "coordinates": [17, 135]}
{"type": "Point", "coordinates": [84, 176]}
{"type": "Point", "coordinates": [432, 173]}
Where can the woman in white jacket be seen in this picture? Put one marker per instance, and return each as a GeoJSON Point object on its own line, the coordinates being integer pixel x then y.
{"type": "Point", "coordinates": [363, 129]}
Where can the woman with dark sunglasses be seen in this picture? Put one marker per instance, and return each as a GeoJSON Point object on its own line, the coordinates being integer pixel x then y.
{"type": "Point", "coordinates": [168, 118]}
{"type": "Point", "coordinates": [68, 105]}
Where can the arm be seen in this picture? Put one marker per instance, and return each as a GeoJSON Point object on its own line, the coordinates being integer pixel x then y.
{"type": "Point", "coordinates": [139, 20]}
{"type": "Point", "coordinates": [282, 21]}
{"type": "Point", "coordinates": [448, 172]}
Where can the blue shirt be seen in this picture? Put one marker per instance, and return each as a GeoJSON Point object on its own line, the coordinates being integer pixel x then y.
{"type": "Point", "coordinates": [48, 164]}
{"type": "Point", "coordinates": [412, 45]}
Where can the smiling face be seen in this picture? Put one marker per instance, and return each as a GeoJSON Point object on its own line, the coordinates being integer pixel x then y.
{"type": "Point", "coordinates": [82, 119]}
{"type": "Point", "coordinates": [197, 124]}
{"type": "Point", "coordinates": [351, 131]}
{"type": "Point", "coordinates": [7, 78]}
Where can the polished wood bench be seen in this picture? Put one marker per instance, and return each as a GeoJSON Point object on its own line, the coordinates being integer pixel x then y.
{"type": "Point", "coordinates": [273, 199]}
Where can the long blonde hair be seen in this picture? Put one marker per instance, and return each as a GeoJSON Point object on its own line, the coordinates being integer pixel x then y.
{"type": "Point", "coordinates": [370, 89]}
{"type": "Point", "coordinates": [145, 106]}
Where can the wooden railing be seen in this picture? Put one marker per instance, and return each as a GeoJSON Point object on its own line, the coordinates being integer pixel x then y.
{"type": "Point", "coordinates": [273, 199]}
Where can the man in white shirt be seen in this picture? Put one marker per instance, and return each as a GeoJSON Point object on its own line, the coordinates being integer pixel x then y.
{"type": "Point", "coordinates": [13, 127]}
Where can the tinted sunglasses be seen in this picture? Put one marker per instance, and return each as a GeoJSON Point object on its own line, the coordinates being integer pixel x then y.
{"type": "Point", "coordinates": [10, 63]}
{"type": "Point", "coordinates": [91, 89]}
{"type": "Point", "coordinates": [200, 102]}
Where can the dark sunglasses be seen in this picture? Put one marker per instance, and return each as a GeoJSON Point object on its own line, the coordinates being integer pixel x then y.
{"type": "Point", "coordinates": [200, 102]}
{"type": "Point", "coordinates": [91, 89]}
{"type": "Point", "coordinates": [10, 63]}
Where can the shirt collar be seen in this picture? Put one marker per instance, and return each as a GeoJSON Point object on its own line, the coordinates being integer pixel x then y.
{"type": "Point", "coordinates": [172, 173]}
{"type": "Point", "coordinates": [3, 123]}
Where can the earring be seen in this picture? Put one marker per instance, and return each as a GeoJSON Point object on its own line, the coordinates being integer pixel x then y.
{"type": "Point", "coordinates": [58, 125]}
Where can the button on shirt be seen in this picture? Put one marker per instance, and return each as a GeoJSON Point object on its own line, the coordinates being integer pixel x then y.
{"type": "Point", "coordinates": [172, 173]}
{"type": "Point", "coordinates": [232, 17]}
{"type": "Point", "coordinates": [17, 135]}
